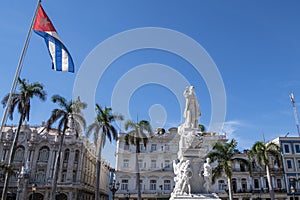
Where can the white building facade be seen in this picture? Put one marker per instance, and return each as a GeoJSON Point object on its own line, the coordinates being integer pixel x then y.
{"type": "Point", "coordinates": [155, 164]}
{"type": "Point", "coordinates": [290, 147]}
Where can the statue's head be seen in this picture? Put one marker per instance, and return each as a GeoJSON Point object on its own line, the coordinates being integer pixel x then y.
{"type": "Point", "coordinates": [207, 160]}
{"type": "Point", "coordinates": [192, 89]}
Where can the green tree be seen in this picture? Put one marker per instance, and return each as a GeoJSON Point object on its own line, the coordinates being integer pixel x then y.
{"type": "Point", "coordinates": [224, 155]}
{"type": "Point", "coordinates": [103, 127]}
{"type": "Point", "coordinates": [22, 101]}
{"type": "Point", "coordinates": [136, 137]}
{"type": "Point", "coordinates": [262, 152]}
{"type": "Point", "coordinates": [68, 116]}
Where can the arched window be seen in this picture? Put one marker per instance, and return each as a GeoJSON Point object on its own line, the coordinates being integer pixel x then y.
{"type": "Point", "coordinates": [66, 155]}
{"type": "Point", "coordinates": [244, 184]}
{"type": "Point", "coordinates": [43, 154]}
{"type": "Point", "coordinates": [61, 197]}
{"type": "Point", "coordinates": [221, 185]}
{"type": "Point", "coordinates": [167, 185]}
{"type": "Point", "coordinates": [37, 196]}
{"type": "Point", "coordinates": [19, 155]}
{"type": "Point", "coordinates": [234, 185]}
{"type": "Point", "coordinates": [256, 184]}
{"type": "Point", "coordinates": [77, 153]}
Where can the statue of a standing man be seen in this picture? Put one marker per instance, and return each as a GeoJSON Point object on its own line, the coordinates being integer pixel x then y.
{"type": "Point", "coordinates": [192, 109]}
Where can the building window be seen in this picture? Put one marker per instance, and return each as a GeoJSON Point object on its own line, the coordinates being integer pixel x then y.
{"type": "Point", "coordinates": [19, 155]}
{"type": "Point", "coordinates": [126, 147]}
{"type": "Point", "coordinates": [140, 164]}
{"type": "Point", "coordinates": [142, 147]}
{"type": "Point", "coordinates": [221, 184]}
{"type": "Point", "coordinates": [40, 175]}
{"type": "Point", "coordinates": [153, 147]}
{"type": "Point", "coordinates": [43, 154]}
{"type": "Point", "coordinates": [76, 160]}
{"type": "Point", "coordinates": [298, 161]}
{"type": "Point", "coordinates": [242, 167]}
{"type": "Point", "coordinates": [244, 184]}
{"type": "Point", "coordinates": [64, 176]}
{"type": "Point", "coordinates": [167, 163]}
{"type": "Point", "coordinates": [4, 154]}
{"type": "Point", "coordinates": [153, 163]}
{"type": "Point", "coordinates": [66, 155]}
{"type": "Point", "coordinates": [152, 184]}
{"type": "Point", "coordinates": [74, 175]}
{"type": "Point", "coordinates": [256, 184]}
{"type": "Point", "coordinates": [167, 147]}
{"type": "Point", "coordinates": [167, 185]}
{"type": "Point", "coordinates": [234, 185]}
{"type": "Point", "coordinates": [124, 184]}
{"type": "Point", "coordinates": [286, 148]}
{"type": "Point", "coordinates": [279, 185]}
{"type": "Point", "coordinates": [297, 148]}
{"type": "Point", "coordinates": [125, 163]}
{"type": "Point", "coordinates": [289, 164]}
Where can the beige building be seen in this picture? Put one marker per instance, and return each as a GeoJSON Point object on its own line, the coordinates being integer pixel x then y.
{"type": "Point", "coordinates": [34, 165]}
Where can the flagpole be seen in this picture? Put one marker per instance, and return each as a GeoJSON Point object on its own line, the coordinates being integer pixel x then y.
{"type": "Point", "coordinates": [18, 71]}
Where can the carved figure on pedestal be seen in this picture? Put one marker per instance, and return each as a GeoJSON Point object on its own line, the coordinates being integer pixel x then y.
{"type": "Point", "coordinates": [186, 176]}
{"type": "Point", "coordinates": [178, 177]}
{"type": "Point", "coordinates": [207, 173]}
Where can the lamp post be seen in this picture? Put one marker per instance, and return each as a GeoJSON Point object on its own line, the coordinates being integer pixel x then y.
{"type": "Point", "coordinates": [114, 187]}
{"type": "Point", "coordinates": [293, 192]}
{"type": "Point", "coordinates": [33, 190]}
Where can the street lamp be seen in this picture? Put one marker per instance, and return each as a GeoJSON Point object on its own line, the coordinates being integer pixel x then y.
{"type": "Point", "coordinates": [33, 190]}
{"type": "Point", "coordinates": [114, 187]}
{"type": "Point", "coordinates": [293, 192]}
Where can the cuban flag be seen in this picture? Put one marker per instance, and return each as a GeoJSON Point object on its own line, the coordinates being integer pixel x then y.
{"type": "Point", "coordinates": [61, 58]}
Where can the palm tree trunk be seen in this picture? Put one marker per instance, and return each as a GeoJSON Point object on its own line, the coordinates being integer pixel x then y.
{"type": "Point", "coordinates": [138, 171]}
{"type": "Point", "coordinates": [98, 169]}
{"type": "Point", "coordinates": [57, 166]}
{"type": "Point", "coordinates": [229, 188]}
{"type": "Point", "coordinates": [272, 195]}
{"type": "Point", "coordinates": [11, 157]}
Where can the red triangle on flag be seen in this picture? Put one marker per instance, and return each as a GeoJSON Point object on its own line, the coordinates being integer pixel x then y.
{"type": "Point", "coordinates": [42, 21]}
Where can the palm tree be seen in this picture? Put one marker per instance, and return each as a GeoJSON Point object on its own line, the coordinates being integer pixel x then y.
{"type": "Point", "coordinates": [21, 100]}
{"type": "Point", "coordinates": [224, 154]}
{"type": "Point", "coordinates": [68, 116]}
{"type": "Point", "coordinates": [136, 137]}
{"type": "Point", "coordinates": [102, 126]}
{"type": "Point", "coordinates": [262, 152]}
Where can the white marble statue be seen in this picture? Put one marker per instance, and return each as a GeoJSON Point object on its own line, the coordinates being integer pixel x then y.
{"type": "Point", "coordinates": [178, 177]}
{"type": "Point", "coordinates": [207, 173]}
{"type": "Point", "coordinates": [188, 130]}
{"type": "Point", "coordinates": [192, 109]}
{"type": "Point", "coordinates": [186, 174]}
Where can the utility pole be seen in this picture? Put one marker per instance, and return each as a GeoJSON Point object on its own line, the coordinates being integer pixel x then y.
{"type": "Point", "coordinates": [295, 112]}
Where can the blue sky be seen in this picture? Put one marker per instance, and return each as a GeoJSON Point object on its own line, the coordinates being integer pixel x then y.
{"type": "Point", "coordinates": [254, 44]}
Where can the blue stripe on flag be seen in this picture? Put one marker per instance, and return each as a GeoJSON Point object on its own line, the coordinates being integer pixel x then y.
{"type": "Point", "coordinates": [57, 61]}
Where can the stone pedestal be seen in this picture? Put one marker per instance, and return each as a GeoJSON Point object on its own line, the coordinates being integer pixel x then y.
{"type": "Point", "coordinates": [194, 146]}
